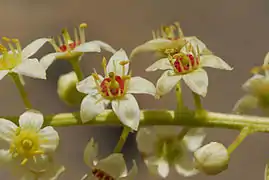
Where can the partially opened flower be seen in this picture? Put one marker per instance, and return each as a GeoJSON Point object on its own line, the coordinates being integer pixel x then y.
{"type": "Point", "coordinates": [18, 60]}
{"type": "Point", "coordinates": [28, 141]}
{"type": "Point", "coordinates": [115, 88]}
{"type": "Point", "coordinates": [187, 66]}
{"type": "Point", "coordinates": [69, 49]}
{"type": "Point", "coordinates": [162, 148]}
{"type": "Point", "coordinates": [112, 167]}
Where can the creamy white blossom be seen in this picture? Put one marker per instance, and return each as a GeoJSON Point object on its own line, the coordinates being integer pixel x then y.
{"type": "Point", "coordinates": [112, 167]}
{"type": "Point", "coordinates": [68, 49]}
{"type": "Point", "coordinates": [115, 88]}
{"type": "Point", "coordinates": [19, 60]}
{"type": "Point", "coordinates": [162, 149]}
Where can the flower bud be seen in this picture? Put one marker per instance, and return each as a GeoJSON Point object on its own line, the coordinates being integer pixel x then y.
{"type": "Point", "coordinates": [212, 158]}
{"type": "Point", "coordinates": [67, 89]}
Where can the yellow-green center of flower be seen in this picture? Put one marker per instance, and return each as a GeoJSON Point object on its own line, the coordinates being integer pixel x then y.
{"type": "Point", "coordinates": [25, 144]}
{"type": "Point", "coordinates": [10, 59]}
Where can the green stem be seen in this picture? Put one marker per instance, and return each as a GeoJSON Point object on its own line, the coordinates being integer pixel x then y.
{"type": "Point", "coordinates": [183, 132]}
{"type": "Point", "coordinates": [197, 101]}
{"type": "Point", "coordinates": [239, 139]}
{"type": "Point", "coordinates": [21, 89]}
{"type": "Point", "coordinates": [76, 67]}
{"type": "Point", "coordinates": [124, 134]}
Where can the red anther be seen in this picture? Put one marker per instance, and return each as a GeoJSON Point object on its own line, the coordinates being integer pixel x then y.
{"type": "Point", "coordinates": [72, 46]}
{"type": "Point", "coordinates": [114, 91]}
{"type": "Point", "coordinates": [186, 67]}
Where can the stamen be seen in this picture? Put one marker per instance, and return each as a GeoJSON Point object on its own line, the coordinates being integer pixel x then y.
{"type": "Point", "coordinates": [82, 32]}
{"type": "Point", "coordinates": [123, 63]}
{"type": "Point", "coordinates": [38, 152]}
{"type": "Point", "coordinates": [255, 70]}
{"type": "Point", "coordinates": [18, 45]}
{"type": "Point", "coordinates": [154, 35]}
{"type": "Point", "coordinates": [9, 44]}
{"type": "Point", "coordinates": [54, 45]}
{"type": "Point", "coordinates": [104, 63]}
{"type": "Point", "coordinates": [67, 38]}
{"type": "Point", "coordinates": [180, 32]}
{"type": "Point", "coordinates": [76, 36]}
{"type": "Point", "coordinates": [24, 161]}
{"type": "Point", "coordinates": [60, 41]}
{"type": "Point", "coordinates": [96, 79]}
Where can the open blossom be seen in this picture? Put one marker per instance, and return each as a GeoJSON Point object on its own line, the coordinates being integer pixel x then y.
{"type": "Point", "coordinates": [112, 167]}
{"type": "Point", "coordinates": [187, 66]}
{"type": "Point", "coordinates": [69, 49]}
{"type": "Point", "coordinates": [115, 88]}
{"type": "Point", "coordinates": [28, 143]}
{"type": "Point", "coordinates": [18, 60]}
{"type": "Point", "coordinates": [162, 149]}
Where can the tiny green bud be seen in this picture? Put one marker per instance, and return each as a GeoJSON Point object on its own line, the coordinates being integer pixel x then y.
{"type": "Point", "coordinates": [212, 158]}
{"type": "Point", "coordinates": [67, 89]}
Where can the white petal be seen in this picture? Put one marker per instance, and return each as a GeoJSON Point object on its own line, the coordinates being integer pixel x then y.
{"type": "Point", "coordinates": [127, 111]}
{"type": "Point", "coordinates": [245, 104]}
{"type": "Point", "coordinates": [31, 68]}
{"type": "Point", "coordinates": [91, 107]}
{"type": "Point", "coordinates": [3, 73]}
{"type": "Point", "coordinates": [7, 129]}
{"type": "Point", "coordinates": [47, 60]}
{"type": "Point", "coordinates": [146, 139]}
{"type": "Point", "coordinates": [90, 153]}
{"type": "Point", "coordinates": [88, 47]}
{"type": "Point", "coordinates": [114, 63]}
{"type": "Point", "coordinates": [140, 85]}
{"type": "Point", "coordinates": [214, 62]}
{"type": "Point", "coordinates": [163, 168]}
{"type": "Point", "coordinates": [166, 83]}
{"type": "Point", "coordinates": [5, 157]}
{"type": "Point", "coordinates": [31, 120]}
{"type": "Point", "coordinates": [195, 42]}
{"type": "Point", "coordinates": [197, 81]}
{"type": "Point", "coordinates": [104, 46]}
{"type": "Point", "coordinates": [49, 139]}
{"type": "Point", "coordinates": [250, 83]}
{"type": "Point", "coordinates": [162, 64]}
{"type": "Point", "coordinates": [114, 165]}
{"type": "Point", "coordinates": [33, 47]}
{"type": "Point", "coordinates": [132, 173]}
{"type": "Point", "coordinates": [88, 85]}
{"type": "Point", "coordinates": [194, 138]}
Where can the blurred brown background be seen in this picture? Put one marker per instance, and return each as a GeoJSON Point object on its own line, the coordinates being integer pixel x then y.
{"type": "Point", "coordinates": [237, 31]}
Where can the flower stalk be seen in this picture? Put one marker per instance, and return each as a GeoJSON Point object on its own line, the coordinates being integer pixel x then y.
{"type": "Point", "coordinates": [123, 137]}
{"type": "Point", "coordinates": [76, 67]}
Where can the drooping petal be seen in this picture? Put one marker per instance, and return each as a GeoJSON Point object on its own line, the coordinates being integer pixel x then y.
{"type": "Point", "coordinates": [114, 63]}
{"type": "Point", "coordinates": [166, 83]}
{"type": "Point", "coordinates": [250, 84]}
{"type": "Point", "coordinates": [104, 46]}
{"type": "Point", "coordinates": [127, 110]}
{"type": "Point", "coordinates": [5, 157]}
{"type": "Point", "coordinates": [194, 139]}
{"type": "Point", "coordinates": [162, 64]}
{"type": "Point", "coordinates": [88, 85]}
{"type": "Point", "coordinates": [245, 104]}
{"type": "Point", "coordinates": [47, 60]}
{"type": "Point", "coordinates": [138, 85]}
{"type": "Point", "coordinates": [31, 119]}
{"type": "Point", "coordinates": [91, 106]}
{"type": "Point", "coordinates": [7, 129]}
{"type": "Point", "coordinates": [32, 68]}
{"type": "Point", "coordinates": [131, 174]}
{"type": "Point", "coordinates": [3, 73]}
{"type": "Point", "coordinates": [197, 81]}
{"type": "Point", "coordinates": [49, 139]}
{"type": "Point", "coordinates": [33, 47]}
{"type": "Point", "coordinates": [88, 47]}
{"type": "Point", "coordinates": [158, 166]}
{"type": "Point", "coordinates": [90, 153]}
{"type": "Point", "coordinates": [146, 139]}
{"type": "Point", "coordinates": [214, 62]}
{"type": "Point", "coordinates": [195, 42]}
{"type": "Point", "coordinates": [114, 165]}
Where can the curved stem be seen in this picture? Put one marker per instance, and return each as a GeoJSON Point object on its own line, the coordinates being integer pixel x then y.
{"type": "Point", "coordinates": [124, 134]}
{"type": "Point", "coordinates": [21, 89]}
{"type": "Point", "coordinates": [76, 67]}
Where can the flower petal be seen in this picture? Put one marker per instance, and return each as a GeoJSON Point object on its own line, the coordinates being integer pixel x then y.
{"type": "Point", "coordinates": [127, 111]}
{"type": "Point", "coordinates": [194, 139]}
{"type": "Point", "coordinates": [91, 106]}
{"type": "Point", "coordinates": [131, 174]}
{"type": "Point", "coordinates": [166, 83]}
{"type": "Point", "coordinates": [31, 68]}
{"type": "Point", "coordinates": [7, 129]}
{"type": "Point", "coordinates": [90, 153]}
{"type": "Point", "coordinates": [138, 85]}
{"type": "Point", "coordinates": [88, 47]}
{"type": "Point", "coordinates": [197, 81]}
{"type": "Point", "coordinates": [114, 165]}
{"type": "Point", "coordinates": [5, 157]}
{"type": "Point", "coordinates": [214, 62]}
{"type": "Point", "coordinates": [104, 46]}
{"type": "Point", "coordinates": [256, 79]}
{"type": "Point", "coordinates": [49, 139]}
{"type": "Point", "coordinates": [3, 73]}
{"type": "Point", "coordinates": [33, 47]}
{"type": "Point", "coordinates": [31, 120]}
{"type": "Point", "coordinates": [146, 140]}
{"type": "Point", "coordinates": [162, 64]}
{"type": "Point", "coordinates": [88, 85]}
{"type": "Point", "coordinates": [47, 60]}
{"type": "Point", "coordinates": [114, 63]}
{"type": "Point", "coordinates": [245, 104]}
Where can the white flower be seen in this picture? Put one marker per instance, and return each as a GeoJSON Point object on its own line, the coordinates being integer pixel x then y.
{"type": "Point", "coordinates": [112, 167]}
{"type": "Point", "coordinates": [115, 88]}
{"type": "Point", "coordinates": [161, 149]}
{"type": "Point", "coordinates": [28, 141]}
{"type": "Point", "coordinates": [187, 66]}
{"type": "Point", "coordinates": [69, 49]}
{"type": "Point", "coordinates": [18, 61]}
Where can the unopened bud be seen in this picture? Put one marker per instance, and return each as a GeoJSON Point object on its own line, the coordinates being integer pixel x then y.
{"type": "Point", "coordinates": [212, 158]}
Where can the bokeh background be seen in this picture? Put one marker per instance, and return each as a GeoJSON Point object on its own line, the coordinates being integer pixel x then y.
{"type": "Point", "coordinates": [237, 31]}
